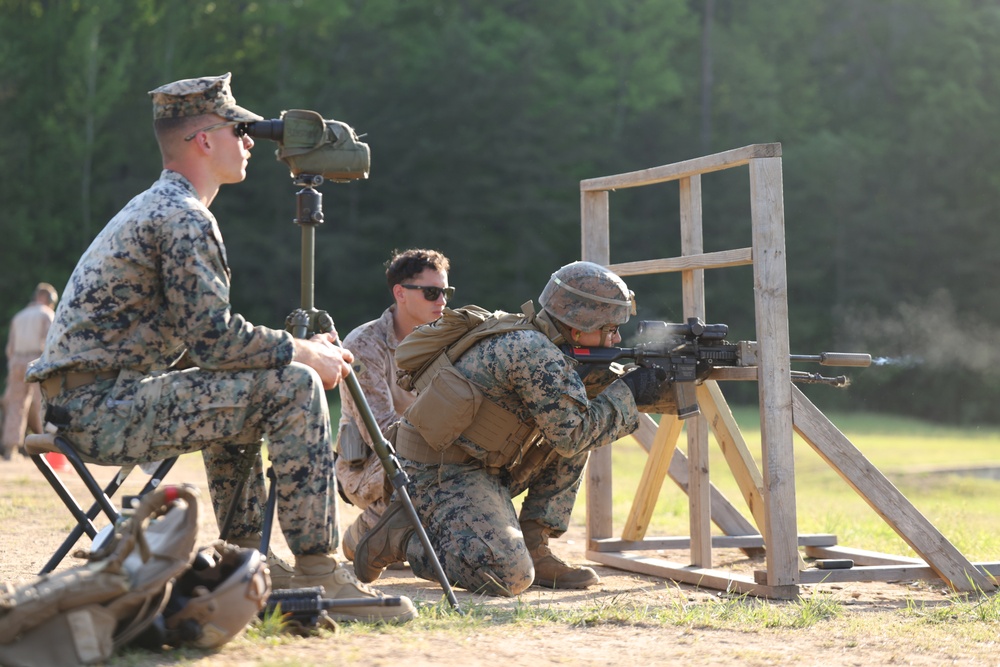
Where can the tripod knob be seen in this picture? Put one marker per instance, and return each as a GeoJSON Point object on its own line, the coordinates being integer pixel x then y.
{"type": "Point", "coordinates": [324, 323]}
{"type": "Point", "coordinates": [297, 323]}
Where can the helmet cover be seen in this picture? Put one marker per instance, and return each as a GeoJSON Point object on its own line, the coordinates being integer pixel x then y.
{"type": "Point", "coordinates": [212, 604]}
{"type": "Point", "coordinates": [587, 296]}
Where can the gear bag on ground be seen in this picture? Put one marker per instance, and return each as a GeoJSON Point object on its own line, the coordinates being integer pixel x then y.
{"type": "Point", "coordinates": [82, 615]}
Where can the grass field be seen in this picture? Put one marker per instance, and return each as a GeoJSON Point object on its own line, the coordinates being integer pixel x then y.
{"type": "Point", "coordinates": [909, 452]}
{"type": "Point", "coordinates": [914, 455]}
{"type": "Point", "coordinates": [630, 619]}
{"type": "Point", "coordinates": [910, 623]}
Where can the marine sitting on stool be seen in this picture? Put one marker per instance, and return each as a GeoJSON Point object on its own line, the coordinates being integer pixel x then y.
{"type": "Point", "coordinates": [146, 359]}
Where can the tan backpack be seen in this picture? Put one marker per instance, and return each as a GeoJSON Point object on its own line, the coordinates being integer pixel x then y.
{"type": "Point", "coordinates": [81, 615]}
{"type": "Point", "coordinates": [449, 404]}
{"type": "Point", "coordinates": [453, 333]}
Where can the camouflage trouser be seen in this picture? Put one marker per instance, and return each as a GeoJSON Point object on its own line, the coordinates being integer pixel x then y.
{"type": "Point", "coordinates": [365, 486]}
{"type": "Point", "coordinates": [21, 405]}
{"type": "Point", "coordinates": [137, 418]}
{"type": "Point", "coordinates": [471, 522]}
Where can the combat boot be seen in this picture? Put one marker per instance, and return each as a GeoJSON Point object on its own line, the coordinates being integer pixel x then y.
{"type": "Point", "coordinates": [339, 582]}
{"type": "Point", "coordinates": [352, 536]}
{"type": "Point", "coordinates": [384, 544]}
{"type": "Point", "coordinates": [550, 570]}
{"type": "Point", "coordinates": [274, 561]}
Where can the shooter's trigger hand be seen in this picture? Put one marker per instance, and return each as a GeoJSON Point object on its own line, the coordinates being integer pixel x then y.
{"type": "Point", "coordinates": [644, 383]}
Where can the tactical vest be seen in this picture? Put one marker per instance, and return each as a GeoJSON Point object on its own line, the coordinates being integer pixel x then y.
{"type": "Point", "coordinates": [448, 404]}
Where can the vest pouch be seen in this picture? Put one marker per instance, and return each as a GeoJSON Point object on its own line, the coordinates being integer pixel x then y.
{"type": "Point", "coordinates": [445, 408]}
{"type": "Point", "coordinates": [350, 445]}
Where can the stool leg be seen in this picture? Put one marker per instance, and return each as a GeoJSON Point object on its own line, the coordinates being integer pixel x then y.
{"type": "Point", "coordinates": [152, 483]}
{"type": "Point", "coordinates": [84, 520]}
{"type": "Point", "coordinates": [87, 526]}
{"type": "Point", "coordinates": [102, 497]}
{"type": "Point", "coordinates": [81, 469]}
{"type": "Point", "coordinates": [64, 494]}
{"type": "Point", "coordinates": [158, 475]}
{"type": "Point", "coordinates": [272, 500]}
{"type": "Point", "coordinates": [249, 456]}
{"type": "Point", "coordinates": [269, 508]}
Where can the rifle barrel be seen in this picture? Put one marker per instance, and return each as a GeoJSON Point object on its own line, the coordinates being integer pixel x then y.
{"type": "Point", "coordinates": [310, 604]}
{"type": "Point", "coordinates": [836, 358]}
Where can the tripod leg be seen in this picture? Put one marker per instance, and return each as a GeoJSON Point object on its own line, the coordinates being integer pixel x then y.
{"type": "Point", "coordinates": [399, 480]}
{"type": "Point", "coordinates": [307, 320]}
{"type": "Point", "coordinates": [411, 511]}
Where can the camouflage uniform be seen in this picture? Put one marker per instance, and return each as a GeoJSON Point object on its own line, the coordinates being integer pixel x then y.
{"type": "Point", "coordinates": [374, 348]}
{"type": "Point", "coordinates": [468, 511]}
{"type": "Point", "coordinates": [152, 288]}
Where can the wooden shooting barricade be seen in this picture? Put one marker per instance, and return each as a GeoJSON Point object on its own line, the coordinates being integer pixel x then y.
{"type": "Point", "coordinates": [769, 494]}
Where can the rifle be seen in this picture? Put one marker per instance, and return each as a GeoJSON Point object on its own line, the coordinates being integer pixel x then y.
{"type": "Point", "coordinates": [306, 607]}
{"type": "Point", "coordinates": [687, 353]}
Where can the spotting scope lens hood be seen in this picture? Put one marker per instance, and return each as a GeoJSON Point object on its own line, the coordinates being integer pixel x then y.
{"type": "Point", "coordinates": [309, 144]}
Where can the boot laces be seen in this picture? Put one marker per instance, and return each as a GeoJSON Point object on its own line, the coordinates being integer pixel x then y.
{"type": "Point", "coordinates": [348, 578]}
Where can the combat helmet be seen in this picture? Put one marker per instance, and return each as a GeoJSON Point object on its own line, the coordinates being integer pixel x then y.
{"type": "Point", "coordinates": [587, 296]}
{"type": "Point", "coordinates": [217, 597]}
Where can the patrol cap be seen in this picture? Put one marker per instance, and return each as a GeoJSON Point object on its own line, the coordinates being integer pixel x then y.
{"type": "Point", "coordinates": [48, 289]}
{"type": "Point", "coordinates": [202, 95]}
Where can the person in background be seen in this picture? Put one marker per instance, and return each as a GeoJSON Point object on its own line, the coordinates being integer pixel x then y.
{"type": "Point", "coordinates": [22, 401]}
{"type": "Point", "coordinates": [418, 281]}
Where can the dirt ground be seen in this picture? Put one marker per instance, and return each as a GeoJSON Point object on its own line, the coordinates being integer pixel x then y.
{"type": "Point", "coordinates": [33, 523]}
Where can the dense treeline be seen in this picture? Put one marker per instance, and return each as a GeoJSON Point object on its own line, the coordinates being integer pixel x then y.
{"type": "Point", "coordinates": [483, 116]}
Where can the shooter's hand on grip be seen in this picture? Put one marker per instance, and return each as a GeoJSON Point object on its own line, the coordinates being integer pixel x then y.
{"type": "Point", "coordinates": [332, 362]}
{"type": "Point", "coordinates": [644, 383]}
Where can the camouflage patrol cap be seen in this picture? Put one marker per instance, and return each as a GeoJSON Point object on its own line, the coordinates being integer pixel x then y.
{"type": "Point", "coordinates": [195, 97]}
{"type": "Point", "coordinates": [587, 296]}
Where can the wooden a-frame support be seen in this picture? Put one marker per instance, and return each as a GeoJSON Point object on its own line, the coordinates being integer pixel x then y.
{"type": "Point", "coordinates": [769, 494]}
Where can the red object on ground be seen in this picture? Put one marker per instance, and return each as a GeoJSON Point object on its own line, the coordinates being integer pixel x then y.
{"type": "Point", "coordinates": [57, 461]}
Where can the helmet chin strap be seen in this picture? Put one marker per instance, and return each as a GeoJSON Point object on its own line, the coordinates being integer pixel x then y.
{"type": "Point", "coordinates": [556, 331]}
{"type": "Point", "coordinates": [578, 334]}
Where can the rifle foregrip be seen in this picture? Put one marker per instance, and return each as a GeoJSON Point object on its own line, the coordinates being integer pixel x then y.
{"type": "Point", "coordinates": [845, 359]}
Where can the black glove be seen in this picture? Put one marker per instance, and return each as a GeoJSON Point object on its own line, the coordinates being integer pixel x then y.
{"type": "Point", "coordinates": [644, 383]}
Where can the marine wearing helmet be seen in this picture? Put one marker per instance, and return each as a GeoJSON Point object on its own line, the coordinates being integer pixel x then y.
{"type": "Point", "coordinates": [588, 297]}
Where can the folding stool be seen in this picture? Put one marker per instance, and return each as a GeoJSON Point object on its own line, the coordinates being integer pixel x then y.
{"type": "Point", "coordinates": [36, 446]}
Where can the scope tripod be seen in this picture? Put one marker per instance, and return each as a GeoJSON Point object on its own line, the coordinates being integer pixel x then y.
{"type": "Point", "coordinates": [306, 321]}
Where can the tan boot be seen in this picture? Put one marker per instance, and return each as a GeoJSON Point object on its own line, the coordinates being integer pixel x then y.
{"type": "Point", "coordinates": [275, 563]}
{"type": "Point", "coordinates": [352, 536]}
{"type": "Point", "coordinates": [550, 570]}
{"type": "Point", "coordinates": [384, 544]}
{"type": "Point", "coordinates": [339, 583]}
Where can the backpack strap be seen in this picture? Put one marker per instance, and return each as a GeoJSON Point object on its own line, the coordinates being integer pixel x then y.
{"type": "Point", "coordinates": [497, 323]}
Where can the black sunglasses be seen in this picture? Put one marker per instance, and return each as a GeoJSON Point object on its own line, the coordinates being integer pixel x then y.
{"type": "Point", "coordinates": [432, 293]}
{"type": "Point", "coordinates": [239, 129]}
